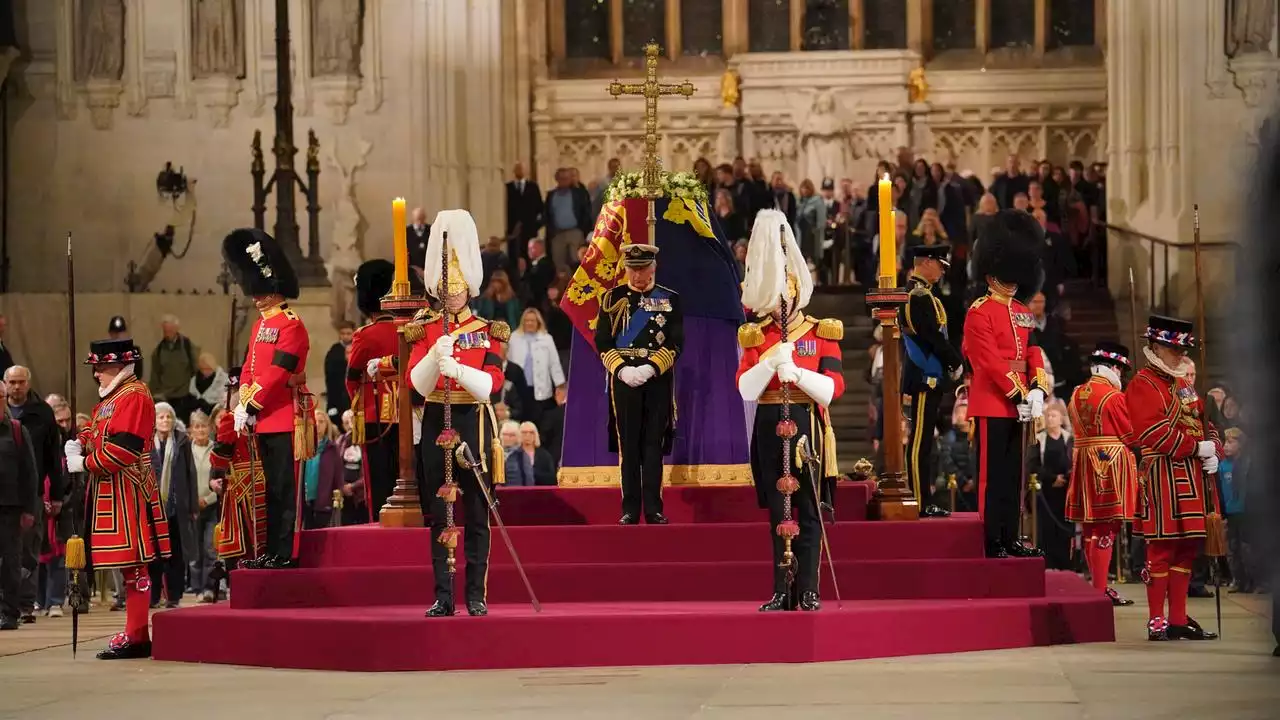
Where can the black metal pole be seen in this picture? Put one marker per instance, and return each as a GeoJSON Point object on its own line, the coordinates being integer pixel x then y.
{"type": "Point", "coordinates": [286, 229]}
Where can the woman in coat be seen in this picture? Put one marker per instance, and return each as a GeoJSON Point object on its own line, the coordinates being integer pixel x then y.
{"type": "Point", "coordinates": [175, 469]}
{"type": "Point", "coordinates": [322, 475]}
{"type": "Point", "coordinates": [533, 349]}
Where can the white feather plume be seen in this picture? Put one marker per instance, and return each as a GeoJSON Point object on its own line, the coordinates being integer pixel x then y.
{"type": "Point", "coordinates": [767, 265]}
{"type": "Point", "coordinates": [464, 241]}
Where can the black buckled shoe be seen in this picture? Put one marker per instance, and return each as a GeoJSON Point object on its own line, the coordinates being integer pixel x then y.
{"type": "Point", "coordinates": [254, 563]}
{"type": "Point", "coordinates": [933, 511]}
{"type": "Point", "coordinates": [477, 608]}
{"type": "Point", "coordinates": [809, 601]}
{"type": "Point", "coordinates": [1190, 631]}
{"type": "Point", "coordinates": [996, 551]}
{"type": "Point", "coordinates": [780, 602]}
{"type": "Point", "coordinates": [655, 519]}
{"type": "Point", "coordinates": [279, 563]}
{"type": "Point", "coordinates": [628, 519]}
{"type": "Point", "coordinates": [1157, 630]}
{"type": "Point", "coordinates": [1018, 550]}
{"type": "Point", "coordinates": [440, 609]}
{"type": "Point", "coordinates": [1117, 600]}
{"type": "Point", "coordinates": [8, 623]}
{"type": "Point", "coordinates": [120, 648]}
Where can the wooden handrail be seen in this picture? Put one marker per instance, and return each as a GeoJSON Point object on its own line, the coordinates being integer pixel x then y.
{"type": "Point", "coordinates": [1163, 242]}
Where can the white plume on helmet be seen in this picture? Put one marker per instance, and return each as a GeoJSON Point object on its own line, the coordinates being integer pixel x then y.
{"type": "Point", "coordinates": [768, 266]}
{"type": "Point", "coordinates": [464, 243]}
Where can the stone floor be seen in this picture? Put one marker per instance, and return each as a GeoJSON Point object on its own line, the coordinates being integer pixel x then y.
{"type": "Point", "coordinates": [1131, 679]}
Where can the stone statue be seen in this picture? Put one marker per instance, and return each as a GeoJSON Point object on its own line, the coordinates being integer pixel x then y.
{"type": "Point", "coordinates": [823, 138]}
{"type": "Point", "coordinates": [216, 38]}
{"type": "Point", "coordinates": [345, 255]}
{"type": "Point", "coordinates": [99, 48]}
{"type": "Point", "coordinates": [1251, 24]}
{"type": "Point", "coordinates": [336, 36]}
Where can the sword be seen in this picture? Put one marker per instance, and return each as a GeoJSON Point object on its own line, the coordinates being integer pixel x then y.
{"type": "Point", "coordinates": [807, 458]}
{"type": "Point", "coordinates": [467, 460]}
{"type": "Point", "coordinates": [1022, 477]}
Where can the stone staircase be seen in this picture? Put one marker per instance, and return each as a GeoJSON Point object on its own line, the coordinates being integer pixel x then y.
{"type": "Point", "coordinates": [849, 413]}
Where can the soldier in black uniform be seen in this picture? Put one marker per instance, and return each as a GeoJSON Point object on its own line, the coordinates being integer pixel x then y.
{"type": "Point", "coordinates": [931, 360]}
{"type": "Point", "coordinates": [639, 333]}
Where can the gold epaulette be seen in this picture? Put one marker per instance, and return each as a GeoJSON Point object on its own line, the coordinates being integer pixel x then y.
{"type": "Point", "coordinates": [499, 330]}
{"type": "Point", "coordinates": [979, 302]}
{"type": "Point", "coordinates": [750, 336]}
{"type": "Point", "coordinates": [289, 313]}
{"type": "Point", "coordinates": [426, 315]}
{"type": "Point", "coordinates": [413, 332]}
{"type": "Point", "coordinates": [830, 329]}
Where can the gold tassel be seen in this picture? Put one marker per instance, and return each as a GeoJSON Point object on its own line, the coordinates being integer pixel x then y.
{"type": "Point", "coordinates": [357, 422]}
{"type": "Point", "coordinates": [1215, 536]}
{"type": "Point", "coordinates": [304, 438]}
{"type": "Point", "coordinates": [499, 472]}
{"type": "Point", "coordinates": [76, 559]}
{"type": "Point", "coordinates": [830, 462]}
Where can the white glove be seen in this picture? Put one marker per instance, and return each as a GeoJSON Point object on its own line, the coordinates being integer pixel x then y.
{"type": "Point", "coordinates": [780, 354]}
{"type": "Point", "coordinates": [1035, 403]}
{"type": "Point", "coordinates": [371, 368]}
{"type": "Point", "coordinates": [352, 454]}
{"type": "Point", "coordinates": [450, 367]}
{"type": "Point", "coordinates": [631, 376]}
{"type": "Point", "coordinates": [1205, 449]}
{"type": "Point", "coordinates": [1210, 465]}
{"type": "Point", "coordinates": [443, 347]}
{"type": "Point", "coordinates": [788, 372]}
{"type": "Point", "coordinates": [73, 447]}
{"type": "Point", "coordinates": [242, 418]}
{"type": "Point", "coordinates": [1024, 412]}
{"type": "Point", "coordinates": [645, 373]}
{"type": "Point", "coordinates": [75, 463]}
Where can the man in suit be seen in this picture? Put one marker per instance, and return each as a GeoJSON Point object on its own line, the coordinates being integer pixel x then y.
{"type": "Point", "coordinates": [539, 273]}
{"type": "Point", "coordinates": [524, 213]}
{"type": "Point", "coordinates": [418, 233]}
{"type": "Point", "coordinates": [568, 219]}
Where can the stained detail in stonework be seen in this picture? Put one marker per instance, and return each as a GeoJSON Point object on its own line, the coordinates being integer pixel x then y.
{"type": "Point", "coordinates": [337, 35]}
{"type": "Point", "coordinates": [217, 38]}
{"type": "Point", "coordinates": [99, 48]}
{"type": "Point", "coordinates": [1250, 26]}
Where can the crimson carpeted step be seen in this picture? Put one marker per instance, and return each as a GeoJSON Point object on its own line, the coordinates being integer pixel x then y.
{"type": "Point", "coordinates": [399, 638]}
{"type": "Point", "coordinates": [364, 545]}
{"type": "Point", "coordinates": [639, 582]}
{"type": "Point", "coordinates": [596, 506]}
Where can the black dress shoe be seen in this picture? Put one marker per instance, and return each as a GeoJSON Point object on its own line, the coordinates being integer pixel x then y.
{"type": "Point", "coordinates": [1200, 592]}
{"type": "Point", "coordinates": [440, 609]}
{"type": "Point", "coordinates": [1157, 630]}
{"type": "Point", "coordinates": [122, 649]}
{"type": "Point", "coordinates": [809, 601]}
{"type": "Point", "coordinates": [1018, 550]}
{"type": "Point", "coordinates": [254, 563]}
{"type": "Point", "coordinates": [655, 519]}
{"type": "Point", "coordinates": [628, 519]}
{"type": "Point", "coordinates": [996, 551]}
{"type": "Point", "coordinates": [28, 618]}
{"type": "Point", "coordinates": [477, 608]}
{"type": "Point", "coordinates": [1190, 631]}
{"type": "Point", "coordinates": [933, 511]}
{"type": "Point", "coordinates": [8, 623]}
{"type": "Point", "coordinates": [279, 563]}
{"type": "Point", "coordinates": [778, 603]}
{"type": "Point", "coordinates": [1117, 600]}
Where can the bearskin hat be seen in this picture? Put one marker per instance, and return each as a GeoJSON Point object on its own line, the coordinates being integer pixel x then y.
{"type": "Point", "coordinates": [373, 281]}
{"type": "Point", "coordinates": [1011, 251]}
{"type": "Point", "coordinates": [259, 264]}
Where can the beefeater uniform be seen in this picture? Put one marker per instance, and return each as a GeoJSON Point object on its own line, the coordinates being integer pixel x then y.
{"type": "Point", "coordinates": [470, 363]}
{"type": "Point", "coordinates": [241, 532]}
{"type": "Point", "coordinates": [1177, 445]}
{"type": "Point", "coordinates": [277, 408]}
{"type": "Point", "coordinates": [375, 397]}
{"type": "Point", "coordinates": [809, 360]}
{"type": "Point", "coordinates": [1009, 382]}
{"type": "Point", "coordinates": [127, 527]}
{"type": "Point", "coordinates": [644, 331]}
{"type": "Point", "coordinates": [1102, 490]}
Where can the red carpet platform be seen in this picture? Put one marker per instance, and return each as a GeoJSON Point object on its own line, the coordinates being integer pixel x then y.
{"type": "Point", "coordinates": [680, 594]}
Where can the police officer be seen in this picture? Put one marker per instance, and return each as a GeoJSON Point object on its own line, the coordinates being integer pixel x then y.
{"type": "Point", "coordinates": [931, 359]}
{"type": "Point", "coordinates": [639, 333]}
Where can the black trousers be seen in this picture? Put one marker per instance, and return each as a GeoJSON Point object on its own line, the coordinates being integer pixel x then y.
{"type": "Point", "coordinates": [275, 453]}
{"type": "Point", "coordinates": [170, 571]}
{"type": "Point", "coordinates": [642, 415]}
{"type": "Point", "coordinates": [10, 561]}
{"type": "Point", "coordinates": [382, 462]}
{"type": "Point", "coordinates": [766, 468]}
{"type": "Point", "coordinates": [998, 445]}
{"type": "Point", "coordinates": [1054, 532]}
{"type": "Point", "coordinates": [473, 511]}
{"type": "Point", "coordinates": [921, 472]}
{"type": "Point", "coordinates": [32, 541]}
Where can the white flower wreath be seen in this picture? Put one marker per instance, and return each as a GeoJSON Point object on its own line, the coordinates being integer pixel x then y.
{"type": "Point", "coordinates": [683, 185]}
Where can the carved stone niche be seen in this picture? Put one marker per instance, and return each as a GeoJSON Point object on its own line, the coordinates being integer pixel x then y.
{"type": "Point", "coordinates": [218, 95]}
{"type": "Point", "coordinates": [336, 94]}
{"type": "Point", "coordinates": [102, 97]}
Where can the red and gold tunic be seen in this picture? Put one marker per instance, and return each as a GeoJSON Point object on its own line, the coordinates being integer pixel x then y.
{"type": "Point", "coordinates": [242, 512]}
{"type": "Point", "coordinates": [273, 384]}
{"type": "Point", "coordinates": [375, 398]}
{"type": "Point", "coordinates": [1006, 365]}
{"type": "Point", "coordinates": [1104, 473]}
{"type": "Point", "coordinates": [477, 343]}
{"type": "Point", "coordinates": [127, 524]}
{"type": "Point", "coordinates": [817, 348]}
{"type": "Point", "coordinates": [1168, 422]}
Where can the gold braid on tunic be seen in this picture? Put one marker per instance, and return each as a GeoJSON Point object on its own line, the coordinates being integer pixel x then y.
{"type": "Point", "coordinates": [619, 314]}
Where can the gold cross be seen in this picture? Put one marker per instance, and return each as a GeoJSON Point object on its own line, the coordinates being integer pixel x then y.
{"type": "Point", "coordinates": [651, 89]}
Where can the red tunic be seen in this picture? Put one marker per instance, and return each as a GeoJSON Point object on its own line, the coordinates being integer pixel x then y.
{"type": "Point", "coordinates": [476, 343]}
{"type": "Point", "coordinates": [1006, 365]}
{"type": "Point", "coordinates": [273, 383]}
{"type": "Point", "coordinates": [817, 348]}
{"type": "Point", "coordinates": [127, 524]}
{"type": "Point", "coordinates": [1104, 473]}
{"type": "Point", "coordinates": [378, 339]}
{"type": "Point", "coordinates": [242, 512]}
{"type": "Point", "coordinates": [1168, 420]}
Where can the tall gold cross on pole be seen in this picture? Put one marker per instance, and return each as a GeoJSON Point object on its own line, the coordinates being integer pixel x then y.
{"type": "Point", "coordinates": [651, 89]}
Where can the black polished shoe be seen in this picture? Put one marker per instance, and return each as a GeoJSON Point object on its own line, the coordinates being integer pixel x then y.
{"type": "Point", "coordinates": [933, 511]}
{"type": "Point", "coordinates": [1190, 631]}
{"type": "Point", "coordinates": [121, 649]}
{"type": "Point", "coordinates": [28, 618]}
{"type": "Point", "coordinates": [8, 623]}
{"type": "Point", "coordinates": [809, 601]}
{"type": "Point", "coordinates": [778, 603]}
{"type": "Point", "coordinates": [279, 563]}
{"type": "Point", "coordinates": [477, 608]}
{"type": "Point", "coordinates": [1157, 630]}
{"type": "Point", "coordinates": [628, 519]}
{"type": "Point", "coordinates": [440, 609]}
{"type": "Point", "coordinates": [1200, 592]}
{"type": "Point", "coordinates": [996, 551]}
{"type": "Point", "coordinates": [1018, 550]}
{"type": "Point", "coordinates": [655, 519]}
{"type": "Point", "coordinates": [1117, 600]}
{"type": "Point", "coordinates": [254, 563]}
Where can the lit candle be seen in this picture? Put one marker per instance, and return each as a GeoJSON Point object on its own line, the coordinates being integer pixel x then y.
{"type": "Point", "coordinates": [888, 243]}
{"type": "Point", "coordinates": [399, 233]}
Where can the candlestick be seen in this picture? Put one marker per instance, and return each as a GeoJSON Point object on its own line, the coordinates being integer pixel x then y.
{"type": "Point", "coordinates": [399, 232]}
{"type": "Point", "coordinates": [888, 242]}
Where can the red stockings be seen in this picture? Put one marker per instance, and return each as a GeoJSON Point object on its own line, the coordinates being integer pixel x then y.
{"type": "Point", "coordinates": [1169, 566]}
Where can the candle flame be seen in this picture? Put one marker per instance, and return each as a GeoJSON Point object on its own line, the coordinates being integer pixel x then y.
{"type": "Point", "coordinates": [885, 178]}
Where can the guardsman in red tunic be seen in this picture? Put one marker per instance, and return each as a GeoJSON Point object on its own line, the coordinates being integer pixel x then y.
{"type": "Point", "coordinates": [1009, 383]}
{"type": "Point", "coordinates": [241, 533]}
{"type": "Point", "coordinates": [1180, 451]}
{"type": "Point", "coordinates": [1103, 488]}
{"type": "Point", "coordinates": [462, 366]}
{"type": "Point", "coordinates": [808, 361]}
{"type": "Point", "coordinates": [373, 385]}
{"type": "Point", "coordinates": [275, 410]}
{"type": "Point", "coordinates": [127, 527]}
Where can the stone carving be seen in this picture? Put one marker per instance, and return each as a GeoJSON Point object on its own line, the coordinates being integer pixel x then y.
{"type": "Point", "coordinates": [823, 138]}
{"type": "Point", "coordinates": [336, 37]}
{"type": "Point", "coordinates": [217, 39]}
{"type": "Point", "coordinates": [346, 238]}
{"type": "Point", "coordinates": [100, 41]}
{"type": "Point", "coordinates": [1251, 25]}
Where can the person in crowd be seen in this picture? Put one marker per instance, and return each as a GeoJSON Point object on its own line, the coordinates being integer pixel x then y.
{"type": "Point", "coordinates": [568, 220]}
{"type": "Point", "coordinates": [532, 464]}
{"type": "Point", "coordinates": [1060, 351]}
{"type": "Point", "coordinates": [63, 523]}
{"type": "Point", "coordinates": [781, 198]}
{"type": "Point", "coordinates": [551, 429]}
{"type": "Point", "coordinates": [202, 557]}
{"type": "Point", "coordinates": [1233, 477]}
{"type": "Point", "coordinates": [559, 325]}
{"type": "Point", "coordinates": [322, 475]}
{"type": "Point", "coordinates": [875, 379]}
{"type": "Point", "coordinates": [499, 301]}
{"type": "Point", "coordinates": [373, 379]}
{"type": "Point", "coordinates": [1050, 461]}
{"type": "Point", "coordinates": [355, 510]}
{"type": "Point", "coordinates": [336, 394]}
{"type": "Point", "coordinates": [417, 234]}
{"type": "Point", "coordinates": [515, 394]}
{"type": "Point", "coordinates": [533, 349]}
{"type": "Point", "coordinates": [811, 224]}
{"type": "Point", "coordinates": [900, 236]}
{"type": "Point", "coordinates": [1010, 183]}
{"type": "Point", "coordinates": [706, 175]}
{"type": "Point", "coordinates": [175, 470]}
{"type": "Point", "coordinates": [173, 365]}
{"type": "Point", "coordinates": [509, 436]}
{"type": "Point", "coordinates": [952, 208]}
{"type": "Point", "coordinates": [19, 507]}
{"type": "Point", "coordinates": [1059, 262]}
{"type": "Point", "coordinates": [600, 188]}
{"type": "Point", "coordinates": [209, 386]}
{"type": "Point", "coordinates": [524, 214]}
{"type": "Point", "coordinates": [732, 222]}
{"type": "Point", "coordinates": [6, 355]}
{"type": "Point", "coordinates": [929, 230]}
{"type": "Point", "coordinates": [740, 256]}
{"type": "Point", "coordinates": [539, 273]}
{"type": "Point", "coordinates": [922, 192]}
{"type": "Point", "coordinates": [956, 459]}
{"type": "Point", "coordinates": [639, 335]}
{"type": "Point", "coordinates": [759, 193]}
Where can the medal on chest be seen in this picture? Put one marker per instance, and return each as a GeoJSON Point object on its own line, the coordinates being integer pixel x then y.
{"type": "Point", "coordinates": [1023, 320]}
{"type": "Point", "coordinates": [653, 304]}
{"type": "Point", "coordinates": [806, 347]}
{"type": "Point", "coordinates": [267, 335]}
{"type": "Point", "coordinates": [471, 340]}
